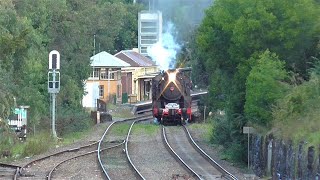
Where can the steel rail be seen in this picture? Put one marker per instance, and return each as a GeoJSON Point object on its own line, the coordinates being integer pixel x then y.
{"type": "Point", "coordinates": [164, 137]}
{"type": "Point", "coordinates": [225, 173]}
{"type": "Point", "coordinates": [127, 151]}
{"type": "Point", "coordinates": [49, 176]}
{"type": "Point", "coordinates": [17, 168]}
{"type": "Point", "coordinates": [9, 165]}
{"type": "Point", "coordinates": [104, 170]}
{"type": "Point", "coordinates": [54, 154]}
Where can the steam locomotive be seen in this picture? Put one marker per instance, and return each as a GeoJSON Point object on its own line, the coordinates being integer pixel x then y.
{"type": "Point", "coordinates": [171, 100]}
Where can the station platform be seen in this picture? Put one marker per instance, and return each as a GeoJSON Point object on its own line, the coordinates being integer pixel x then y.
{"type": "Point", "coordinates": [145, 106]}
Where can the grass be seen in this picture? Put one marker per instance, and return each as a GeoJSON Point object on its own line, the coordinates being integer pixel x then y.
{"type": "Point", "coordinates": [301, 128]}
{"type": "Point", "coordinates": [32, 146]}
{"type": "Point", "coordinates": [119, 111]}
{"type": "Point", "coordinates": [72, 137]}
{"type": "Point", "coordinates": [148, 129]}
{"type": "Point", "coordinates": [39, 143]}
{"type": "Point", "coordinates": [205, 128]}
{"type": "Point", "coordinates": [120, 129]}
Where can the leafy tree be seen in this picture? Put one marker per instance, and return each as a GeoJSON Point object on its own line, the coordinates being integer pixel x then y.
{"type": "Point", "coordinates": [128, 34]}
{"type": "Point", "coordinates": [234, 31]}
{"type": "Point", "coordinates": [265, 85]}
{"type": "Point", "coordinates": [29, 30]}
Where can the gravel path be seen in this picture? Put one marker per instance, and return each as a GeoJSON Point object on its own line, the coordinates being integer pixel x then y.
{"type": "Point", "coordinates": [150, 156]}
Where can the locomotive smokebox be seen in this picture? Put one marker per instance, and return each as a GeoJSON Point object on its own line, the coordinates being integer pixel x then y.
{"type": "Point", "coordinates": [172, 90]}
{"type": "Point", "coordinates": [172, 93]}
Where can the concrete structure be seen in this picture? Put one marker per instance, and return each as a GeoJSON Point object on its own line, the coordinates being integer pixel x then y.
{"type": "Point", "coordinates": [149, 29]}
{"type": "Point", "coordinates": [104, 82]}
{"type": "Point", "coordinates": [136, 79]}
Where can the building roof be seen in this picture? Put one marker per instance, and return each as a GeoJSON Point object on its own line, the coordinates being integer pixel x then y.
{"type": "Point", "coordinates": [104, 59]}
{"type": "Point", "coordinates": [134, 58]}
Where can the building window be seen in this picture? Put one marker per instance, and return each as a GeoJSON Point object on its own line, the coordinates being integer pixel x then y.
{"type": "Point", "coordinates": [149, 30]}
{"type": "Point", "coordinates": [95, 73]}
{"type": "Point", "coordinates": [104, 74]}
{"type": "Point", "coordinates": [144, 50]}
{"type": "Point", "coordinates": [101, 90]}
{"type": "Point", "coordinates": [149, 41]}
{"type": "Point", "coordinates": [149, 37]}
{"type": "Point", "coordinates": [149, 24]}
{"type": "Point", "coordinates": [111, 75]}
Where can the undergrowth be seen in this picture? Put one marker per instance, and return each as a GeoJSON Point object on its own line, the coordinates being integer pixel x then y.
{"type": "Point", "coordinates": [296, 116]}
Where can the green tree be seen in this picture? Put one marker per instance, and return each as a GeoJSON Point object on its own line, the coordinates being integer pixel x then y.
{"type": "Point", "coordinates": [234, 31]}
{"type": "Point", "coordinates": [29, 30]}
{"type": "Point", "coordinates": [264, 86]}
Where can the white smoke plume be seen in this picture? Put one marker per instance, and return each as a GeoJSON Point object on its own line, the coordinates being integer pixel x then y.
{"type": "Point", "coordinates": [164, 51]}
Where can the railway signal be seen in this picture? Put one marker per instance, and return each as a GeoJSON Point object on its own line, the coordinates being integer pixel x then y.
{"type": "Point", "coordinates": [54, 84]}
{"type": "Point", "coordinates": [54, 60]}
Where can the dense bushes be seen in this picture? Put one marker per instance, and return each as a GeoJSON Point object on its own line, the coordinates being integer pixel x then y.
{"type": "Point", "coordinates": [72, 120]}
{"type": "Point", "coordinates": [297, 114]}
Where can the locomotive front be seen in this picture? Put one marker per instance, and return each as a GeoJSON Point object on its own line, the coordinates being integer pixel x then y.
{"type": "Point", "coordinates": [171, 96]}
{"type": "Point", "coordinates": [172, 90]}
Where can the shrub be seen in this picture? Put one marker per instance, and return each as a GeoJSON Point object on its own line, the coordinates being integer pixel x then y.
{"type": "Point", "coordinates": [72, 120]}
{"type": "Point", "coordinates": [37, 145]}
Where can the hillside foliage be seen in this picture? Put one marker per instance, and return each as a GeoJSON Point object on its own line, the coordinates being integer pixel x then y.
{"type": "Point", "coordinates": [29, 30]}
{"type": "Point", "coordinates": [253, 52]}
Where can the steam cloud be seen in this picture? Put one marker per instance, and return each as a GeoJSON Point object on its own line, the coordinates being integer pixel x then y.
{"type": "Point", "coordinates": [164, 51]}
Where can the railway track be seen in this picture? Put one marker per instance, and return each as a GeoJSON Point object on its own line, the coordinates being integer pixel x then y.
{"type": "Point", "coordinates": [50, 174]}
{"type": "Point", "coordinates": [149, 155]}
{"type": "Point", "coordinates": [34, 169]}
{"type": "Point", "coordinates": [8, 171]}
{"type": "Point", "coordinates": [115, 160]}
{"type": "Point", "coordinates": [200, 164]}
{"type": "Point", "coordinates": [224, 172]}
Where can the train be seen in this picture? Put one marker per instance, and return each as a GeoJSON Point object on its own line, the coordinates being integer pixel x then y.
{"type": "Point", "coordinates": [171, 99]}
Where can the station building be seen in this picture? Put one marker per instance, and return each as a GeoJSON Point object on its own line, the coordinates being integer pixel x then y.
{"type": "Point", "coordinates": [137, 78]}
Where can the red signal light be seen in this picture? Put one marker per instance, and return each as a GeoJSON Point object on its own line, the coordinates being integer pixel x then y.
{"type": "Point", "coordinates": [171, 88]}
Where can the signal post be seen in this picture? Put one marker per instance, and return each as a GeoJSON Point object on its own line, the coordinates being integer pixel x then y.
{"type": "Point", "coordinates": [54, 84]}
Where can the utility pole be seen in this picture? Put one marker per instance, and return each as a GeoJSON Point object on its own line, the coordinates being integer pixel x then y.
{"type": "Point", "coordinates": [93, 72]}
{"type": "Point", "coordinates": [54, 84]}
{"type": "Point", "coordinates": [94, 44]}
{"type": "Point", "coordinates": [204, 114]}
